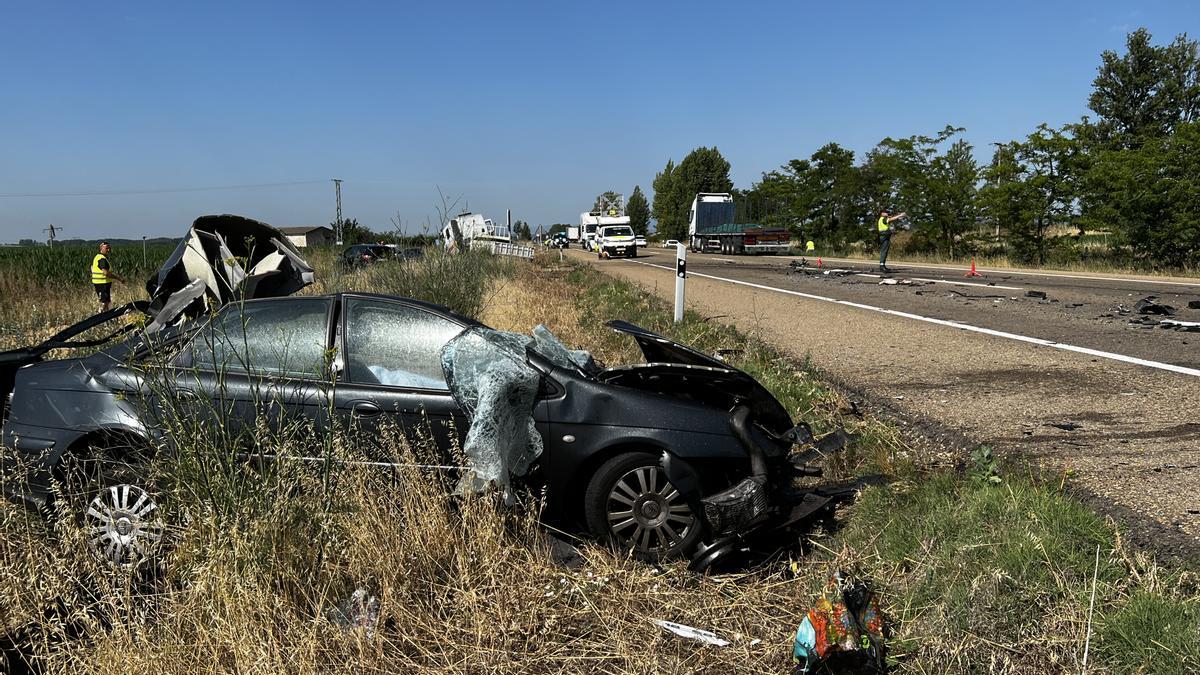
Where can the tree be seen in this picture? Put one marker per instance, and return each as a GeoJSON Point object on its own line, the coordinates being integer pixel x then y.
{"type": "Point", "coordinates": [353, 233]}
{"type": "Point", "coordinates": [638, 210]}
{"type": "Point", "coordinates": [936, 190]}
{"type": "Point", "coordinates": [703, 170]}
{"type": "Point", "coordinates": [1147, 103]}
{"type": "Point", "coordinates": [1153, 194]}
{"type": "Point", "coordinates": [1146, 92]}
{"type": "Point", "coordinates": [520, 230]}
{"type": "Point", "coordinates": [666, 208]}
{"type": "Point", "coordinates": [1030, 187]}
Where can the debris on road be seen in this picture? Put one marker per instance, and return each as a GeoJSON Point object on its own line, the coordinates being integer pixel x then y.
{"type": "Point", "coordinates": [1041, 295]}
{"type": "Point", "coordinates": [1143, 322]}
{"type": "Point", "coordinates": [1147, 306]}
{"type": "Point", "coordinates": [1190, 326]}
{"type": "Point", "coordinates": [681, 630]}
{"type": "Point", "coordinates": [1065, 426]}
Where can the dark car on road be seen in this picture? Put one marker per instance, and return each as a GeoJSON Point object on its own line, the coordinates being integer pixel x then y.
{"type": "Point", "coordinates": [681, 455]}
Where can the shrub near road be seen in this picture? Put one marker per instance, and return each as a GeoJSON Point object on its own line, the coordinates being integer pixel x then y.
{"type": "Point", "coordinates": [978, 574]}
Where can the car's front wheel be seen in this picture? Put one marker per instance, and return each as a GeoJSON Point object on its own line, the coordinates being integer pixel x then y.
{"type": "Point", "coordinates": [630, 503]}
{"type": "Point", "coordinates": [115, 503]}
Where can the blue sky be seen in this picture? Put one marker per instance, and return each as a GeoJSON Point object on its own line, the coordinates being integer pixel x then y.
{"type": "Point", "coordinates": [534, 106]}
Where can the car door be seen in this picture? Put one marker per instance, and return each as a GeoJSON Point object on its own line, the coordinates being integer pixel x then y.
{"type": "Point", "coordinates": [392, 375]}
{"type": "Point", "coordinates": [259, 365]}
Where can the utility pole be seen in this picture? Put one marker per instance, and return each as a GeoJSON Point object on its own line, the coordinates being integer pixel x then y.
{"type": "Point", "coordinates": [52, 230]}
{"type": "Point", "coordinates": [143, 250]}
{"type": "Point", "coordinates": [337, 189]}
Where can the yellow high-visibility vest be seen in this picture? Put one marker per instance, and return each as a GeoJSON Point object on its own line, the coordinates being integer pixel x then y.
{"type": "Point", "coordinates": [810, 246]}
{"type": "Point", "coordinates": [99, 276]}
{"type": "Point", "coordinates": [883, 224]}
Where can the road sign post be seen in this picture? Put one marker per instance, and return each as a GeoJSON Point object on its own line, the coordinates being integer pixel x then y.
{"type": "Point", "coordinates": [680, 278]}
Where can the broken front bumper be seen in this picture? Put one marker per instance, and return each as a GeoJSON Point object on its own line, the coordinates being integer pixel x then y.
{"type": "Point", "coordinates": [760, 505]}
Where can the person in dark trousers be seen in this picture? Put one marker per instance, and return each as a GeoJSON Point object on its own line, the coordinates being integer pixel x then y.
{"type": "Point", "coordinates": [103, 276]}
{"type": "Point", "coordinates": [885, 237]}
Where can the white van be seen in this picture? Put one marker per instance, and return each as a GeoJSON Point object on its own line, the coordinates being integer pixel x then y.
{"type": "Point", "coordinates": [616, 240]}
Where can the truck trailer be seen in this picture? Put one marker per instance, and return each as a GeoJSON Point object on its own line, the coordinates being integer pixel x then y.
{"type": "Point", "coordinates": [711, 229]}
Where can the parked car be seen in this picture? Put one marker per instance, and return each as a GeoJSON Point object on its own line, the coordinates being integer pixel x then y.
{"type": "Point", "coordinates": [681, 455]}
{"type": "Point", "coordinates": [670, 243]}
{"type": "Point", "coordinates": [360, 255]}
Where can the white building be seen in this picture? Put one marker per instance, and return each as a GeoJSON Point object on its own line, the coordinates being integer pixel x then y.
{"type": "Point", "coordinates": [308, 235]}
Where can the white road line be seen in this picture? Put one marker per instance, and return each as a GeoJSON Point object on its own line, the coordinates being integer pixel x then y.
{"type": "Point", "coordinates": [953, 324]}
{"type": "Point", "coordinates": [1024, 273]}
{"type": "Point", "coordinates": [944, 281]}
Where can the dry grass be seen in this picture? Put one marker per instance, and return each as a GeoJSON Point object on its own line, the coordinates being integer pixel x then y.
{"type": "Point", "coordinates": [978, 577]}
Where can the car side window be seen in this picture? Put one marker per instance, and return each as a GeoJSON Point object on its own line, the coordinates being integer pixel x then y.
{"type": "Point", "coordinates": [396, 345]}
{"type": "Point", "coordinates": [285, 338]}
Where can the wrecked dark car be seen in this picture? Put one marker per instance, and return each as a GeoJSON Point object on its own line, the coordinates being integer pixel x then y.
{"type": "Point", "coordinates": [361, 255]}
{"type": "Point", "coordinates": [683, 455]}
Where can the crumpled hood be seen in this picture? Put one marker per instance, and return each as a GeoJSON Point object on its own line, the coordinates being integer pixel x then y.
{"type": "Point", "coordinates": [707, 372]}
{"type": "Point", "coordinates": [221, 259]}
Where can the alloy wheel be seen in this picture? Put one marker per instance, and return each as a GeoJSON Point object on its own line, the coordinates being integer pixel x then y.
{"type": "Point", "coordinates": [123, 524]}
{"type": "Point", "coordinates": [647, 513]}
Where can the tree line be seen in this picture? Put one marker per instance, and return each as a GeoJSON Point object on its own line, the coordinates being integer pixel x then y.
{"type": "Point", "coordinates": [1131, 171]}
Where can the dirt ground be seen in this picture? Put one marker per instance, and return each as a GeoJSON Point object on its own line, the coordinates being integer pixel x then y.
{"type": "Point", "coordinates": [1123, 436]}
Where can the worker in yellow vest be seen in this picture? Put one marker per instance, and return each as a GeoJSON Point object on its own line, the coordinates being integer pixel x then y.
{"type": "Point", "coordinates": [885, 236]}
{"type": "Point", "coordinates": [103, 276]}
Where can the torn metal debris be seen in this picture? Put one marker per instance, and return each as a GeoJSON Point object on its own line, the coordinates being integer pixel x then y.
{"type": "Point", "coordinates": [1147, 306]}
{"type": "Point", "coordinates": [1188, 326]}
{"type": "Point", "coordinates": [700, 635]}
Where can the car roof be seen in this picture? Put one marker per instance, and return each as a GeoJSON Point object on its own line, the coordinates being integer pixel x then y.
{"type": "Point", "coordinates": [431, 306]}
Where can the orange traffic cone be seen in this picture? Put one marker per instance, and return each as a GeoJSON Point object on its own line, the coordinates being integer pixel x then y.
{"type": "Point", "coordinates": [972, 273]}
{"type": "Point", "coordinates": [818, 262]}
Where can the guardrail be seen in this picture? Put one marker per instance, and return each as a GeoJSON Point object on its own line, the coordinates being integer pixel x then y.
{"type": "Point", "coordinates": [514, 250]}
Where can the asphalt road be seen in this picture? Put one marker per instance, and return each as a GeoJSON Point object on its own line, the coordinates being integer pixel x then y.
{"type": "Point", "coordinates": [1066, 382]}
{"type": "Point", "coordinates": [1091, 311]}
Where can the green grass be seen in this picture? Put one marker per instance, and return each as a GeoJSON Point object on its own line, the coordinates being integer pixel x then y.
{"type": "Point", "coordinates": [985, 570]}
{"type": "Point", "coordinates": [71, 265]}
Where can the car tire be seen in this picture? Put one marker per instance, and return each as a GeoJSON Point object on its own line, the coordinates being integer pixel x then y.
{"type": "Point", "coordinates": [112, 498]}
{"type": "Point", "coordinates": [630, 503]}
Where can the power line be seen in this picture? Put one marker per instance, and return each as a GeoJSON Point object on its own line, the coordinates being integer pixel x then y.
{"type": "Point", "coordinates": [157, 191]}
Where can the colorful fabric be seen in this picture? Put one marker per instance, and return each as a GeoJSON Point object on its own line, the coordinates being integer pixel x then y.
{"type": "Point", "coordinates": [848, 625]}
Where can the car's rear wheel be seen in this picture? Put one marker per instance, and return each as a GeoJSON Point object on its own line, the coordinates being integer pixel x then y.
{"type": "Point", "coordinates": [630, 503]}
{"type": "Point", "coordinates": [116, 504]}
